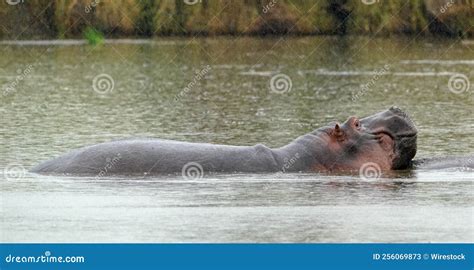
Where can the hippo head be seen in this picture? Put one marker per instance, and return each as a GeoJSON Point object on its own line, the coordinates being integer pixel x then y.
{"type": "Point", "coordinates": [387, 138]}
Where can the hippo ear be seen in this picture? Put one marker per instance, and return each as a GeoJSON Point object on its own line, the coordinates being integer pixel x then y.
{"type": "Point", "coordinates": [338, 133]}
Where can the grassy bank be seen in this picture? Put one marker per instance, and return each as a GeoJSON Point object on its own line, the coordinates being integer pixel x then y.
{"type": "Point", "coordinates": [70, 18]}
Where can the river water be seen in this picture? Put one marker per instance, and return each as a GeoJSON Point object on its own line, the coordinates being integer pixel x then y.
{"type": "Point", "coordinates": [219, 90]}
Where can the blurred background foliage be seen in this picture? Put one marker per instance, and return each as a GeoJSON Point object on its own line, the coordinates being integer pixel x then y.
{"type": "Point", "coordinates": [21, 19]}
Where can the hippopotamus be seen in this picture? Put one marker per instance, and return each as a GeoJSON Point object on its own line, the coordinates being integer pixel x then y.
{"type": "Point", "coordinates": [436, 163]}
{"type": "Point", "coordinates": [387, 139]}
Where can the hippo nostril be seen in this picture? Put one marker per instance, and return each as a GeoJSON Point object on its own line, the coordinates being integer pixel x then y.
{"type": "Point", "coordinates": [356, 123]}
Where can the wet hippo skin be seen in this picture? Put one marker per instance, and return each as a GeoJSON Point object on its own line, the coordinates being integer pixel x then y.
{"type": "Point", "coordinates": [387, 138]}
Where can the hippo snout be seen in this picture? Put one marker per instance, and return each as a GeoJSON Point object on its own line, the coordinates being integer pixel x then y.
{"type": "Point", "coordinates": [399, 125]}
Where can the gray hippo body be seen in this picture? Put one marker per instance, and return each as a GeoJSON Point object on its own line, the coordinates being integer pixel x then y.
{"type": "Point", "coordinates": [157, 156]}
{"type": "Point", "coordinates": [387, 139]}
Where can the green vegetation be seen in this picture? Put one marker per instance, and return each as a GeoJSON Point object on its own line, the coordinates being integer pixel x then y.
{"type": "Point", "coordinates": [71, 18]}
{"type": "Point", "coordinates": [93, 36]}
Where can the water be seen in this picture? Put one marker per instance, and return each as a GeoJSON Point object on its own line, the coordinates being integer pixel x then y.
{"type": "Point", "coordinates": [49, 106]}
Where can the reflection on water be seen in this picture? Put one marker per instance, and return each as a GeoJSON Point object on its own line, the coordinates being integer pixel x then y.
{"type": "Point", "coordinates": [54, 108]}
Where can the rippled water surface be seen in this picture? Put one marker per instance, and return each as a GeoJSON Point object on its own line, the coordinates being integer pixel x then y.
{"type": "Point", "coordinates": [49, 106]}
